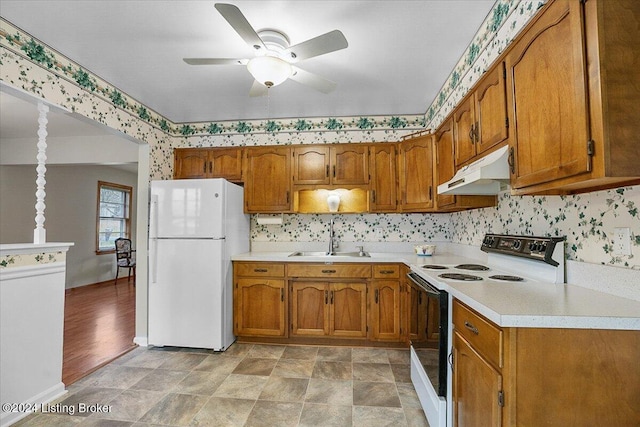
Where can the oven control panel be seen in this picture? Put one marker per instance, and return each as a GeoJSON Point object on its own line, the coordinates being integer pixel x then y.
{"type": "Point", "coordinates": [532, 247]}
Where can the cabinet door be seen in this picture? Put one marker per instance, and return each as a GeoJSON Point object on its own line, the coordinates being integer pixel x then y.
{"type": "Point", "coordinates": [476, 385]}
{"type": "Point", "coordinates": [260, 307]}
{"type": "Point", "coordinates": [268, 186]}
{"type": "Point", "coordinates": [190, 163]}
{"type": "Point", "coordinates": [464, 128]}
{"type": "Point", "coordinates": [350, 164]}
{"type": "Point", "coordinates": [309, 308]}
{"type": "Point", "coordinates": [385, 310]}
{"type": "Point", "coordinates": [445, 167]}
{"type": "Point", "coordinates": [348, 309]}
{"type": "Point", "coordinates": [416, 174]}
{"type": "Point", "coordinates": [417, 314]}
{"type": "Point", "coordinates": [383, 178]}
{"type": "Point", "coordinates": [546, 78]}
{"type": "Point", "coordinates": [226, 163]}
{"type": "Point", "coordinates": [491, 110]}
{"type": "Point", "coordinates": [311, 165]}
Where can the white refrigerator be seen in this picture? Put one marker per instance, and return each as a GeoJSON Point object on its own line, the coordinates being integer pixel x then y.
{"type": "Point", "coordinates": [195, 226]}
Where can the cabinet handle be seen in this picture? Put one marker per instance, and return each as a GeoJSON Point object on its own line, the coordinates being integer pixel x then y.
{"type": "Point", "coordinates": [287, 197]}
{"type": "Point", "coordinates": [471, 134]}
{"type": "Point", "coordinates": [331, 297]}
{"type": "Point", "coordinates": [281, 294]}
{"type": "Point", "coordinates": [210, 167]}
{"type": "Point", "coordinates": [470, 327]}
{"type": "Point", "coordinates": [476, 133]}
{"type": "Point", "coordinates": [430, 193]}
{"type": "Point", "coordinates": [327, 171]}
{"type": "Point", "coordinates": [260, 270]}
{"type": "Point", "coordinates": [451, 360]}
{"type": "Point", "coordinates": [326, 297]}
{"type": "Point", "coordinates": [377, 294]}
{"type": "Point", "coordinates": [334, 171]}
{"type": "Point", "coordinates": [204, 167]}
{"type": "Point", "coordinates": [328, 271]}
{"type": "Point", "coordinates": [387, 271]}
{"type": "Point", "coordinates": [511, 161]}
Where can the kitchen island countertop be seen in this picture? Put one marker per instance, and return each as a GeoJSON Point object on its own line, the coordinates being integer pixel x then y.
{"type": "Point", "coordinates": [542, 305]}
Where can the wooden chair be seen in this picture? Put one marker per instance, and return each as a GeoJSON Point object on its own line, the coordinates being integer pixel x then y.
{"type": "Point", "coordinates": [125, 258]}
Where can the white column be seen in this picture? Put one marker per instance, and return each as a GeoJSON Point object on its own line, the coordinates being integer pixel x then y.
{"type": "Point", "coordinates": [40, 234]}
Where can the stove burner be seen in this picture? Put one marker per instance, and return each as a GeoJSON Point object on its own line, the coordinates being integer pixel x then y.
{"type": "Point", "coordinates": [435, 267]}
{"type": "Point", "coordinates": [507, 278]}
{"type": "Point", "coordinates": [458, 276]}
{"type": "Point", "coordinates": [473, 267]}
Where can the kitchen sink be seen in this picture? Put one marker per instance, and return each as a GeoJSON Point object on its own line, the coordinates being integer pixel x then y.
{"type": "Point", "coordinates": [334, 255]}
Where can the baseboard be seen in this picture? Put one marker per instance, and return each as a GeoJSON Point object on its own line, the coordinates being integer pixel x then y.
{"type": "Point", "coordinates": [141, 341]}
{"type": "Point", "coordinates": [34, 403]}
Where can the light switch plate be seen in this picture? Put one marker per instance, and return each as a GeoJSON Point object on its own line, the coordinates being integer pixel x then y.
{"type": "Point", "coordinates": [622, 241]}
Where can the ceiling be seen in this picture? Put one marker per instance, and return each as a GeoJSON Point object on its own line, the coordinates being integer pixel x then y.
{"type": "Point", "coordinates": [399, 56]}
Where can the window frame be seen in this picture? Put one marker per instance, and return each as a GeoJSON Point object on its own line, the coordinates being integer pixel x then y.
{"type": "Point", "coordinates": [128, 190]}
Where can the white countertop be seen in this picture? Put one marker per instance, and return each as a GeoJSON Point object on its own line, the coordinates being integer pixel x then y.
{"type": "Point", "coordinates": [508, 304]}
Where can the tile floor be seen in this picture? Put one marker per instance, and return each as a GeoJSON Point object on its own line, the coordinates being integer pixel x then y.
{"type": "Point", "coordinates": [248, 385]}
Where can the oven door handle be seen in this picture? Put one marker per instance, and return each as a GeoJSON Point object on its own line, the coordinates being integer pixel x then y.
{"type": "Point", "coordinates": [428, 288]}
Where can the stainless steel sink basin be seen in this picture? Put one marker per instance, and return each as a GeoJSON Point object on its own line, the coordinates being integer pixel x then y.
{"type": "Point", "coordinates": [334, 255]}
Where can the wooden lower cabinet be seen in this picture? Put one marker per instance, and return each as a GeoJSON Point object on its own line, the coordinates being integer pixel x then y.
{"type": "Point", "coordinates": [476, 388]}
{"type": "Point", "coordinates": [259, 299]}
{"type": "Point", "coordinates": [260, 307]}
{"type": "Point", "coordinates": [355, 303]}
{"type": "Point", "coordinates": [328, 309]}
{"type": "Point", "coordinates": [541, 376]}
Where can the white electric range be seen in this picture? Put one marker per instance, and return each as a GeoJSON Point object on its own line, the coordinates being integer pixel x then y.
{"type": "Point", "coordinates": [525, 261]}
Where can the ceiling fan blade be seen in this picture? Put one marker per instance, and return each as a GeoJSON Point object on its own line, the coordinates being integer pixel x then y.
{"type": "Point", "coordinates": [312, 80]}
{"type": "Point", "coordinates": [215, 61]}
{"type": "Point", "coordinates": [258, 89]}
{"type": "Point", "coordinates": [239, 23]}
{"type": "Point", "coordinates": [328, 42]}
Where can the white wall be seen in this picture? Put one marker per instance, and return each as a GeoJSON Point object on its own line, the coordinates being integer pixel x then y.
{"type": "Point", "coordinates": [70, 213]}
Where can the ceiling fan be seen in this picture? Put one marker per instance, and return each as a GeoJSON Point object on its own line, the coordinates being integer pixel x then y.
{"type": "Point", "coordinates": [275, 59]}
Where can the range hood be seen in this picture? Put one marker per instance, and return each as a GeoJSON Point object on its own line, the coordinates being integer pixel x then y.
{"type": "Point", "coordinates": [486, 176]}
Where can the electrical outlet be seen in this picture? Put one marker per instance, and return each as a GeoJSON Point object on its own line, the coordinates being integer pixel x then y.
{"type": "Point", "coordinates": [622, 241]}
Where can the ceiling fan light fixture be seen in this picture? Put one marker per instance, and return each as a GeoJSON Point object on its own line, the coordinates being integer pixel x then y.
{"type": "Point", "coordinates": [269, 70]}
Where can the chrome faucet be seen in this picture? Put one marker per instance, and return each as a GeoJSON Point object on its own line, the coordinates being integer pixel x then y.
{"type": "Point", "coordinates": [332, 243]}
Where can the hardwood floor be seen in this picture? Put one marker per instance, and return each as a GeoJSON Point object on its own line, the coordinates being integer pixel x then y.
{"type": "Point", "coordinates": [99, 325]}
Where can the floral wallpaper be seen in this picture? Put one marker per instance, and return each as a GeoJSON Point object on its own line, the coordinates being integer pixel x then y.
{"type": "Point", "coordinates": [356, 228]}
{"type": "Point", "coordinates": [9, 261]}
{"type": "Point", "coordinates": [587, 220]}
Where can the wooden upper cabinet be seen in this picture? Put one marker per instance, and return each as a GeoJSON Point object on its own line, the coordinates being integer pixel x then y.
{"type": "Point", "coordinates": [573, 88]}
{"type": "Point", "coordinates": [350, 164]}
{"type": "Point", "coordinates": [268, 179]}
{"type": "Point", "coordinates": [445, 166]}
{"type": "Point", "coordinates": [344, 164]}
{"type": "Point", "coordinates": [226, 163]}
{"type": "Point", "coordinates": [383, 178]}
{"type": "Point", "coordinates": [190, 163]}
{"type": "Point", "coordinates": [208, 163]}
{"type": "Point", "coordinates": [416, 174]}
{"type": "Point", "coordinates": [480, 121]}
{"type": "Point", "coordinates": [549, 106]}
{"type": "Point", "coordinates": [311, 165]}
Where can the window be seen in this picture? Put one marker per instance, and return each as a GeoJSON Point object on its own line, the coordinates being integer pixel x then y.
{"type": "Point", "coordinates": [114, 215]}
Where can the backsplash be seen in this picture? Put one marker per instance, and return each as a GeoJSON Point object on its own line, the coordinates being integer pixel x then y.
{"type": "Point", "coordinates": [417, 228]}
{"type": "Point", "coordinates": [587, 220]}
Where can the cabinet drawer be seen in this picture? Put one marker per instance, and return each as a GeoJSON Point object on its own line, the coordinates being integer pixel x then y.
{"type": "Point", "coordinates": [484, 336]}
{"type": "Point", "coordinates": [259, 269]}
{"type": "Point", "coordinates": [386, 271]}
{"type": "Point", "coordinates": [329, 270]}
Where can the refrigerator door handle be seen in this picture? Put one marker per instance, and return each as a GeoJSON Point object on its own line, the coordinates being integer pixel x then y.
{"type": "Point", "coordinates": [153, 250]}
